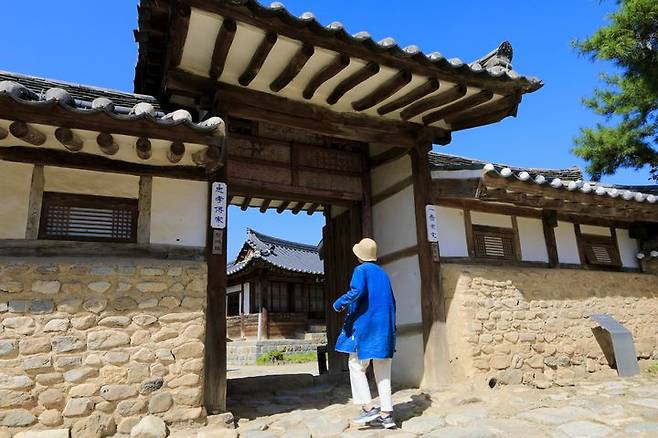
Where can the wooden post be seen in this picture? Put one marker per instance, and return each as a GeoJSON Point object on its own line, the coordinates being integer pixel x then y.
{"type": "Point", "coordinates": [366, 200]}
{"type": "Point", "coordinates": [265, 321]}
{"type": "Point", "coordinates": [432, 305]}
{"type": "Point", "coordinates": [549, 222]}
{"type": "Point", "coordinates": [144, 206]}
{"type": "Point", "coordinates": [215, 355]}
{"type": "Point", "coordinates": [35, 202]}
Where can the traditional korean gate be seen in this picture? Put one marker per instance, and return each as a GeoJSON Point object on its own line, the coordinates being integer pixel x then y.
{"type": "Point", "coordinates": [340, 233]}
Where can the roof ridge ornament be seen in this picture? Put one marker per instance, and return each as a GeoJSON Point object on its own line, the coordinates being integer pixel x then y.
{"type": "Point", "coordinates": [501, 56]}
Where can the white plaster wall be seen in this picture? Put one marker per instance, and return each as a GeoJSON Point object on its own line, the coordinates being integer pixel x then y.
{"type": "Point", "coordinates": [452, 232]}
{"type": "Point", "coordinates": [87, 182]}
{"type": "Point", "coordinates": [405, 280]}
{"type": "Point", "coordinates": [567, 246]}
{"type": "Point", "coordinates": [394, 222]}
{"type": "Point", "coordinates": [598, 231]}
{"type": "Point", "coordinates": [246, 304]}
{"type": "Point", "coordinates": [408, 362]}
{"type": "Point", "coordinates": [491, 219]}
{"type": "Point", "coordinates": [386, 175]}
{"type": "Point", "coordinates": [14, 198]}
{"type": "Point", "coordinates": [628, 248]}
{"type": "Point", "coordinates": [179, 212]}
{"type": "Point", "coordinates": [533, 243]}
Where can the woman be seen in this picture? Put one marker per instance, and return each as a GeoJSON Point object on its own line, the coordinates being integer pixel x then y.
{"type": "Point", "coordinates": [368, 334]}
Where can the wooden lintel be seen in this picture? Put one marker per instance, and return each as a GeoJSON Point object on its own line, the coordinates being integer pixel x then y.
{"type": "Point", "coordinates": [359, 76]}
{"type": "Point", "coordinates": [455, 188]}
{"type": "Point", "coordinates": [175, 152]}
{"type": "Point", "coordinates": [459, 106]}
{"type": "Point", "coordinates": [295, 65]}
{"type": "Point", "coordinates": [223, 44]}
{"type": "Point", "coordinates": [258, 58]}
{"type": "Point", "coordinates": [143, 148]}
{"type": "Point", "coordinates": [332, 69]}
{"type": "Point", "coordinates": [418, 93]}
{"type": "Point", "coordinates": [281, 208]}
{"type": "Point", "coordinates": [438, 100]}
{"type": "Point", "coordinates": [69, 139]}
{"type": "Point", "coordinates": [107, 144]}
{"type": "Point", "coordinates": [81, 160]}
{"type": "Point", "coordinates": [384, 91]}
{"type": "Point", "coordinates": [27, 133]}
{"type": "Point", "coordinates": [265, 205]}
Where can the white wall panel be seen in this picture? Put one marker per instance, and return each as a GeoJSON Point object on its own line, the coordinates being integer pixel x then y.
{"type": "Point", "coordinates": [452, 232]}
{"type": "Point", "coordinates": [179, 211]}
{"type": "Point", "coordinates": [394, 222]}
{"type": "Point", "coordinates": [491, 219]}
{"type": "Point", "coordinates": [88, 182]}
{"type": "Point", "coordinates": [405, 279]}
{"type": "Point", "coordinates": [567, 246]}
{"type": "Point", "coordinates": [386, 175]}
{"type": "Point", "coordinates": [14, 198]}
{"type": "Point", "coordinates": [598, 231]}
{"type": "Point", "coordinates": [407, 367]}
{"type": "Point", "coordinates": [628, 248]}
{"type": "Point", "coordinates": [533, 243]}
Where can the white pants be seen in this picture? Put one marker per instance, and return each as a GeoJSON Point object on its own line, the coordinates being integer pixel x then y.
{"type": "Point", "coordinates": [359, 381]}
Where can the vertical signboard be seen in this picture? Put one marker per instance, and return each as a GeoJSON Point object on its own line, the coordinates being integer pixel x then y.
{"type": "Point", "coordinates": [218, 205]}
{"type": "Point", "coordinates": [432, 225]}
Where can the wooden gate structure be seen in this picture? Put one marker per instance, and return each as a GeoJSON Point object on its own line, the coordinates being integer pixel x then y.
{"type": "Point", "coordinates": [319, 120]}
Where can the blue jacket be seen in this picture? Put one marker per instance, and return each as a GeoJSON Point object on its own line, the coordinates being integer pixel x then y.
{"type": "Point", "coordinates": [369, 327]}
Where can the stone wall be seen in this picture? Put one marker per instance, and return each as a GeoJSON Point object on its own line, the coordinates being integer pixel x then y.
{"type": "Point", "coordinates": [247, 352]}
{"type": "Point", "coordinates": [88, 344]}
{"type": "Point", "coordinates": [530, 324]}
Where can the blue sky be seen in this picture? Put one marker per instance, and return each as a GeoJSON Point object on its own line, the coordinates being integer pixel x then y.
{"type": "Point", "coordinates": [92, 43]}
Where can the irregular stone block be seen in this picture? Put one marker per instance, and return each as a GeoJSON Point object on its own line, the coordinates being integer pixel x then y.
{"type": "Point", "coordinates": [80, 374]}
{"type": "Point", "coordinates": [160, 402]}
{"type": "Point", "coordinates": [83, 322]}
{"type": "Point", "coordinates": [40, 307]}
{"type": "Point", "coordinates": [68, 362]}
{"type": "Point", "coordinates": [127, 408]}
{"type": "Point", "coordinates": [95, 305]}
{"type": "Point", "coordinates": [78, 407]}
{"type": "Point", "coordinates": [99, 286]}
{"type": "Point", "coordinates": [56, 325]}
{"type": "Point", "coordinates": [106, 339]}
{"type": "Point", "coordinates": [15, 382]}
{"type": "Point", "coordinates": [126, 425]}
{"type": "Point", "coordinates": [114, 321]}
{"type": "Point", "coordinates": [66, 344]}
{"type": "Point", "coordinates": [53, 433]}
{"type": "Point", "coordinates": [70, 305]}
{"type": "Point", "coordinates": [18, 306]}
{"type": "Point", "coordinates": [117, 392]}
{"type": "Point", "coordinates": [169, 302]}
{"type": "Point", "coordinates": [51, 398]}
{"type": "Point", "coordinates": [185, 380]}
{"type": "Point", "coordinates": [15, 399]}
{"type": "Point", "coordinates": [124, 303]}
{"type": "Point", "coordinates": [187, 396]}
{"type": "Point", "coordinates": [50, 418]}
{"type": "Point", "coordinates": [16, 418]}
{"type": "Point", "coordinates": [8, 348]}
{"type": "Point", "coordinates": [49, 379]}
{"type": "Point", "coordinates": [151, 385]}
{"type": "Point", "coordinates": [151, 286]}
{"type": "Point", "coordinates": [194, 331]}
{"type": "Point", "coordinates": [49, 287]}
{"type": "Point", "coordinates": [11, 287]}
{"type": "Point", "coordinates": [180, 317]}
{"type": "Point", "coordinates": [148, 304]}
{"type": "Point", "coordinates": [143, 355]}
{"type": "Point", "coordinates": [97, 425]}
{"type": "Point", "coordinates": [183, 414]}
{"type": "Point", "coordinates": [84, 390]}
{"type": "Point", "coordinates": [188, 350]}
{"type": "Point", "coordinates": [152, 272]}
{"type": "Point", "coordinates": [193, 303]}
{"type": "Point", "coordinates": [138, 372]}
{"type": "Point", "coordinates": [117, 357]}
{"type": "Point", "coordinates": [164, 333]}
{"type": "Point", "coordinates": [144, 320]}
{"type": "Point", "coordinates": [149, 427]}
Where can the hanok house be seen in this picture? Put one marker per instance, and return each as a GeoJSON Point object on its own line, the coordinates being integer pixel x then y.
{"type": "Point", "coordinates": [275, 289]}
{"type": "Point", "coordinates": [527, 255]}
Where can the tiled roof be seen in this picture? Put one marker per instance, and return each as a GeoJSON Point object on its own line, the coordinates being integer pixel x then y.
{"type": "Point", "coordinates": [90, 101]}
{"type": "Point", "coordinates": [496, 64]}
{"type": "Point", "coordinates": [454, 162]}
{"type": "Point", "coordinates": [648, 254]}
{"type": "Point", "coordinates": [282, 254]}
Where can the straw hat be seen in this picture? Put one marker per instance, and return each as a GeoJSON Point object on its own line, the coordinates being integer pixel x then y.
{"type": "Point", "coordinates": [366, 250]}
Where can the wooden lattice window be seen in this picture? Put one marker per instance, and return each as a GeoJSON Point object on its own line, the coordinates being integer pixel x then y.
{"type": "Point", "coordinates": [88, 218]}
{"type": "Point", "coordinates": [494, 242]}
{"type": "Point", "coordinates": [600, 250]}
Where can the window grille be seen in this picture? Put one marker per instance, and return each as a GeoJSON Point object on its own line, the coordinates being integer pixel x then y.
{"type": "Point", "coordinates": [494, 242]}
{"type": "Point", "coordinates": [88, 218]}
{"type": "Point", "coordinates": [600, 250]}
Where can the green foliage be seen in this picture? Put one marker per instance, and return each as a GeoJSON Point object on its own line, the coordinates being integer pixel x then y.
{"type": "Point", "coordinates": [629, 101]}
{"type": "Point", "coordinates": [653, 368]}
{"type": "Point", "coordinates": [279, 357]}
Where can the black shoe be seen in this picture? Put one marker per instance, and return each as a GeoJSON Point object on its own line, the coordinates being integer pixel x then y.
{"type": "Point", "coordinates": [385, 422]}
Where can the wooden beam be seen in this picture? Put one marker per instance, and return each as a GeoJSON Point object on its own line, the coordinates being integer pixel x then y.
{"type": "Point", "coordinates": [549, 222]}
{"type": "Point", "coordinates": [298, 207]}
{"type": "Point", "coordinates": [581, 245]}
{"type": "Point", "coordinates": [180, 23]}
{"type": "Point", "coordinates": [481, 120]}
{"type": "Point", "coordinates": [69, 139]}
{"type": "Point", "coordinates": [281, 208]}
{"type": "Point", "coordinates": [35, 201]}
{"type": "Point", "coordinates": [223, 44]}
{"type": "Point", "coordinates": [517, 239]}
{"type": "Point", "coordinates": [27, 133]}
{"type": "Point", "coordinates": [265, 205]}
{"type": "Point", "coordinates": [144, 207]}
{"type": "Point", "coordinates": [384, 91]}
{"type": "Point", "coordinates": [504, 103]}
{"type": "Point", "coordinates": [392, 190]}
{"type": "Point", "coordinates": [175, 152]}
{"type": "Point", "coordinates": [258, 58]}
{"type": "Point", "coordinates": [328, 72]}
{"type": "Point", "coordinates": [468, 227]}
{"type": "Point", "coordinates": [387, 156]}
{"type": "Point", "coordinates": [455, 188]}
{"type": "Point", "coordinates": [3, 133]}
{"type": "Point", "coordinates": [107, 144]}
{"type": "Point", "coordinates": [397, 255]}
{"type": "Point", "coordinates": [206, 156]}
{"type": "Point", "coordinates": [244, 187]}
{"type": "Point", "coordinates": [443, 98]}
{"type": "Point", "coordinates": [143, 148]}
{"type": "Point", "coordinates": [366, 72]}
{"type": "Point", "coordinates": [81, 160]}
{"type": "Point", "coordinates": [295, 65]}
{"type": "Point", "coordinates": [313, 208]}
{"type": "Point", "coordinates": [245, 203]}
{"type": "Point", "coordinates": [457, 107]}
{"type": "Point", "coordinates": [418, 93]}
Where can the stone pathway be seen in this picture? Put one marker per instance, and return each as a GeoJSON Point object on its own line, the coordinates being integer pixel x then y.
{"type": "Point", "coordinates": [591, 408]}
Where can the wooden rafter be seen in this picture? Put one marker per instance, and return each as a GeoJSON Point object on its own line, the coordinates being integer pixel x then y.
{"type": "Point", "coordinates": [281, 208]}
{"type": "Point", "coordinates": [384, 91]}
{"type": "Point", "coordinates": [223, 44]}
{"type": "Point", "coordinates": [366, 72]}
{"type": "Point", "coordinates": [245, 203]}
{"type": "Point", "coordinates": [265, 205]}
{"type": "Point", "coordinates": [143, 148]}
{"type": "Point", "coordinates": [484, 119]}
{"type": "Point", "coordinates": [69, 139]}
{"type": "Point", "coordinates": [503, 103]}
{"type": "Point", "coordinates": [298, 207]}
{"type": "Point", "coordinates": [107, 144]}
{"type": "Point", "coordinates": [418, 93]}
{"type": "Point", "coordinates": [313, 208]}
{"type": "Point", "coordinates": [328, 72]}
{"type": "Point", "coordinates": [3, 133]}
{"type": "Point", "coordinates": [297, 62]}
{"type": "Point", "coordinates": [27, 133]}
{"type": "Point", "coordinates": [459, 106]}
{"type": "Point", "coordinates": [443, 98]}
{"type": "Point", "coordinates": [257, 60]}
{"type": "Point", "coordinates": [175, 152]}
{"type": "Point", "coordinates": [180, 23]}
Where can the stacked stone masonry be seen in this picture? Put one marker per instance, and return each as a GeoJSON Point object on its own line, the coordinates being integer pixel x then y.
{"type": "Point", "coordinates": [97, 345]}
{"type": "Point", "coordinates": [531, 325]}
